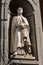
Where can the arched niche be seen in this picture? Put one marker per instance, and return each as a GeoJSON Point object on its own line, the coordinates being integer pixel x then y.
{"type": "Point", "coordinates": [28, 13]}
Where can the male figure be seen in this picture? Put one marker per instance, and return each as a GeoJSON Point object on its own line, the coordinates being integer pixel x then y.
{"type": "Point", "coordinates": [19, 32]}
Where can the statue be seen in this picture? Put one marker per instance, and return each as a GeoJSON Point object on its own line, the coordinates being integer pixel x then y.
{"type": "Point", "coordinates": [20, 39]}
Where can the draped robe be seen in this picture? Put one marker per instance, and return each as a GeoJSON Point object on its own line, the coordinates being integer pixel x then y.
{"type": "Point", "coordinates": [17, 32]}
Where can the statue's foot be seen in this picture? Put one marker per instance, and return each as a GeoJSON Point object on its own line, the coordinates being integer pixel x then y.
{"type": "Point", "coordinates": [32, 57]}
{"type": "Point", "coordinates": [14, 54]}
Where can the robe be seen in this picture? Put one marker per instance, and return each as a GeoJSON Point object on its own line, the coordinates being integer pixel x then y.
{"type": "Point", "coordinates": [18, 31]}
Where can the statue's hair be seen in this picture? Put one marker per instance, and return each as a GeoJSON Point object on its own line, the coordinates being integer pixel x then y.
{"type": "Point", "coordinates": [20, 8]}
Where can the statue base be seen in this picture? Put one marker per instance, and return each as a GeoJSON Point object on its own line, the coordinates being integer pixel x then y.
{"type": "Point", "coordinates": [24, 57]}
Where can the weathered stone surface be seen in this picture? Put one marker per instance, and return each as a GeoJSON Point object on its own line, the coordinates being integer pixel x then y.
{"type": "Point", "coordinates": [27, 62]}
{"type": "Point", "coordinates": [38, 31]}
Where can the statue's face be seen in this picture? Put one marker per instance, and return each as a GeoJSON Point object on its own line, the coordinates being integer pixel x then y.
{"type": "Point", "coordinates": [19, 11]}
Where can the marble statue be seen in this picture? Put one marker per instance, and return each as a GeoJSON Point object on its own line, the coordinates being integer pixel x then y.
{"type": "Point", "coordinates": [20, 39]}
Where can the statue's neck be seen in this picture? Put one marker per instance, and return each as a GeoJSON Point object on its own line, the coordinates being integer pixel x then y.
{"type": "Point", "coordinates": [20, 15]}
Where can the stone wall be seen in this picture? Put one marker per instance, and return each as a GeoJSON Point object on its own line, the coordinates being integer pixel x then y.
{"type": "Point", "coordinates": [38, 28]}
{"type": "Point", "coordinates": [41, 7]}
{"type": "Point", "coordinates": [0, 31]}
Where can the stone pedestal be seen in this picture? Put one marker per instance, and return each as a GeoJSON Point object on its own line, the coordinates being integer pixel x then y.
{"type": "Point", "coordinates": [24, 62]}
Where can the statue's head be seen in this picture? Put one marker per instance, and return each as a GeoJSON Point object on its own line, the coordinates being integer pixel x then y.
{"type": "Point", "coordinates": [19, 11]}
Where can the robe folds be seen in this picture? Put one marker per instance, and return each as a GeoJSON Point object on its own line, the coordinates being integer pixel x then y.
{"type": "Point", "coordinates": [19, 29]}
